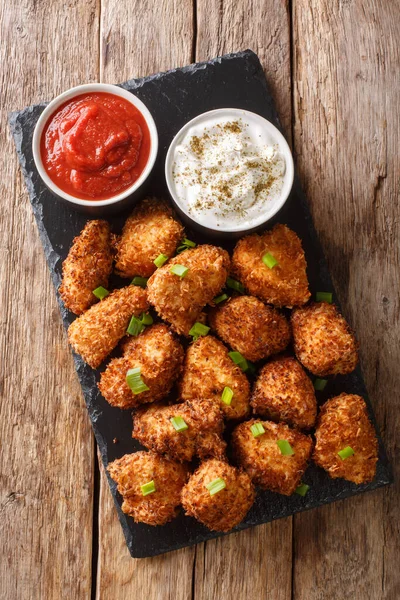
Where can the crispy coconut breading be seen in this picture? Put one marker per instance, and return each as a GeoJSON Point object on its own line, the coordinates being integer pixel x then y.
{"type": "Point", "coordinates": [153, 428]}
{"type": "Point", "coordinates": [134, 470]}
{"type": "Point", "coordinates": [286, 283]}
{"type": "Point", "coordinates": [150, 230]}
{"type": "Point", "coordinates": [323, 341]}
{"type": "Point", "coordinates": [208, 370]}
{"type": "Point", "coordinates": [225, 509]}
{"type": "Point", "coordinates": [95, 333]}
{"type": "Point", "coordinates": [283, 392]}
{"type": "Point", "coordinates": [342, 422]}
{"type": "Point", "coordinates": [263, 460]}
{"type": "Point", "coordinates": [249, 326]}
{"type": "Point", "coordinates": [87, 267]}
{"type": "Point", "coordinates": [158, 354]}
{"type": "Point", "coordinates": [180, 300]}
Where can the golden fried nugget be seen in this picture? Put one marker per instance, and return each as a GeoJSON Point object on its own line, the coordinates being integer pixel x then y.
{"type": "Point", "coordinates": [87, 267]}
{"type": "Point", "coordinates": [249, 326]}
{"type": "Point", "coordinates": [263, 460]}
{"type": "Point", "coordinates": [203, 437]}
{"type": "Point", "coordinates": [286, 283]}
{"type": "Point", "coordinates": [180, 300]}
{"type": "Point", "coordinates": [150, 230]}
{"type": "Point", "coordinates": [323, 341]}
{"type": "Point", "coordinates": [135, 470]}
{"type": "Point", "coordinates": [158, 354]}
{"type": "Point", "coordinates": [225, 509]}
{"type": "Point", "coordinates": [207, 370]}
{"type": "Point", "coordinates": [283, 392]}
{"type": "Point", "coordinates": [95, 333]}
{"type": "Point", "coordinates": [343, 422]}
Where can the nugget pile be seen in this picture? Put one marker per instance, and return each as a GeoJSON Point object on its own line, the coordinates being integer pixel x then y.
{"type": "Point", "coordinates": [202, 340]}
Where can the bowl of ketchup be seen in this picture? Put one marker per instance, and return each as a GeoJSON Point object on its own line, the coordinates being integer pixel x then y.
{"type": "Point", "coordinates": [94, 147]}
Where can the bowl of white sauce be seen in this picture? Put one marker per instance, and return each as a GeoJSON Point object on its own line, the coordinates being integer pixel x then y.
{"type": "Point", "coordinates": [229, 171]}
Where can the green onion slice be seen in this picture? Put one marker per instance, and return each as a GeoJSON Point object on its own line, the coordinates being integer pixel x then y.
{"type": "Point", "coordinates": [302, 489]}
{"type": "Point", "coordinates": [216, 486]}
{"type": "Point", "coordinates": [148, 488]}
{"type": "Point", "coordinates": [140, 281]}
{"type": "Point", "coordinates": [160, 260]}
{"type": "Point", "coordinates": [220, 298]}
{"type": "Point", "coordinates": [227, 396]}
{"type": "Point", "coordinates": [179, 424]}
{"type": "Point", "coordinates": [234, 285]}
{"type": "Point", "coordinates": [185, 244]}
{"type": "Point", "coordinates": [146, 319]}
{"type": "Point", "coordinates": [324, 297]}
{"type": "Point", "coordinates": [346, 452]}
{"type": "Point", "coordinates": [239, 360]}
{"type": "Point", "coordinates": [269, 260]}
{"type": "Point", "coordinates": [285, 448]}
{"type": "Point", "coordinates": [320, 384]}
{"type": "Point", "coordinates": [135, 381]}
{"type": "Point", "coordinates": [257, 429]}
{"type": "Point", "coordinates": [100, 292]}
{"type": "Point", "coordinates": [179, 270]}
{"type": "Point", "coordinates": [135, 327]}
{"type": "Point", "coordinates": [198, 330]}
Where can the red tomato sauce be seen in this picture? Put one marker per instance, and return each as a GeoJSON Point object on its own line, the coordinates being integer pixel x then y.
{"type": "Point", "coordinates": [95, 146]}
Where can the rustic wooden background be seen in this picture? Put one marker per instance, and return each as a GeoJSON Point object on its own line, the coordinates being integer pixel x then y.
{"type": "Point", "coordinates": [334, 69]}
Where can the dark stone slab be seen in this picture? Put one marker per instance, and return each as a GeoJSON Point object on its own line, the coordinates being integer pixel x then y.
{"type": "Point", "coordinates": [237, 81]}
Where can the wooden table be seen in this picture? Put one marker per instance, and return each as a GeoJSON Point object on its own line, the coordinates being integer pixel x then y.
{"type": "Point", "coordinates": [333, 66]}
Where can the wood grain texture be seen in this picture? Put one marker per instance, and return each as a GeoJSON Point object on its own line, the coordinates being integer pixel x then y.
{"type": "Point", "coordinates": [46, 484]}
{"type": "Point", "coordinates": [346, 139]}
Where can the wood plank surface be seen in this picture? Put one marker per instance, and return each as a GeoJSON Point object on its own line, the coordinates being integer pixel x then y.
{"type": "Point", "coordinates": [46, 483]}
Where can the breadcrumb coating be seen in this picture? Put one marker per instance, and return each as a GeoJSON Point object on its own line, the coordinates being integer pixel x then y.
{"type": "Point", "coordinates": [87, 267]}
{"type": "Point", "coordinates": [342, 422]}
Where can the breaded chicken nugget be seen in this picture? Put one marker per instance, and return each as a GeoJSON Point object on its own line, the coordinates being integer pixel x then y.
{"type": "Point", "coordinates": [286, 283]}
{"type": "Point", "coordinates": [87, 267]}
{"type": "Point", "coordinates": [151, 230]}
{"type": "Point", "coordinates": [180, 299]}
{"type": "Point", "coordinates": [95, 333]}
{"type": "Point", "coordinates": [323, 341]}
{"type": "Point", "coordinates": [343, 423]}
{"type": "Point", "coordinates": [263, 459]}
{"type": "Point", "coordinates": [283, 392]}
{"type": "Point", "coordinates": [133, 471]}
{"type": "Point", "coordinates": [153, 428]}
{"type": "Point", "coordinates": [223, 510]}
{"type": "Point", "coordinates": [249, 326]}
{"type": "Point", "coordinates": [159, 356]}
{"type": "Point", "coordinates": [207, 370]}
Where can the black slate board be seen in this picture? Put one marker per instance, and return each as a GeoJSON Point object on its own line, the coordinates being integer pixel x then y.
{"type": "Point", "coordinates": [236, 81]}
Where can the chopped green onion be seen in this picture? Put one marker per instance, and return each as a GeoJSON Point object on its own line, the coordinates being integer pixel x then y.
{"type": "Point", "coordinates": [346, 452]}
{"type": "Point", "coordinates": [227, 396]}
{"type": "Point", "coordinates": [179, 270]}
{"type": "Point", "coordinates": [185, 244]}
{"type": "Point", "coordinates": [198, 330]}
{"type": "Point", "coordinates": [146, 319]}
{"type": "Point", "coordinates": [135, 327]}
{"type": "Point", "coordinates": [320, 384]}
{"type": "Point", "coordinates": [285, 448]}
{"type": "Point", "coordinates": [100, 292]}
{"type": "Point", "coordinates": [179, 424]}
{"type": "Point", "coordinates": [269, 260]}
{"type": "Point", "coordinates": [302, 489]}
{"type": "Point", "coordinates": [216, 486]}
{"type": "Point", "coordinates": [250, 368]}
{"type": "Point", "coordinates": [140, 281]}
{"type": "Point", "coordinates": [234, 285]}
{"type": "Point", "coordinates": [148, 488]}
{"type": "Point", "coordinates": [220, 298]}
{"type": "Point", "coordinates": [135, 381]}
{"type": "Point", "coordinates": [239, 360]}
{"type": "Point", "coordinates": [257, 429]}
{"type": "Point", "coordinates": [160, 260]}
{"type": "Point", "coordinates": [324, 297]}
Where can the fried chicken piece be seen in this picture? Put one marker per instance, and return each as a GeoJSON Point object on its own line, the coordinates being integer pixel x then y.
{"type": "Point", "coordinates": [343, 422]}
{"type": "Point", "coordinates": [180, 300]}
{"type": "Point", "coordinates": [95, 333]}
{"type": "Point", "coordinates": [87, 267]}
{"type": "Point", "coordinates": [249, 326]}
{"type": "Point", "coordinates": [283, 392]}
{"type": "Point", "coordinates": [134, 470]}
{"type": "Point", "coordinates": [207, 370]}
{"type": "Point", "coordinates": [150, 230]}
{"type": "Point", "coordinates": [323, 341]}
{"type": "Point", "coordinates": [158, 354]}
{"type": "Point", "coordinates": [286, 283]}
{"type": "Point", "coordinates": [263, 460]}
{"type": "Point", "coordinates": [152, 427]}
{"type": "Point", "coordinates": [226, 508]}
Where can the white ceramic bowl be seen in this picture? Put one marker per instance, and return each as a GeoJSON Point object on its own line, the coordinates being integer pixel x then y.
{"type": "Point", "coordinates": [121, 200]}
{"type": "Point", "coordinates": [235, 230]}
